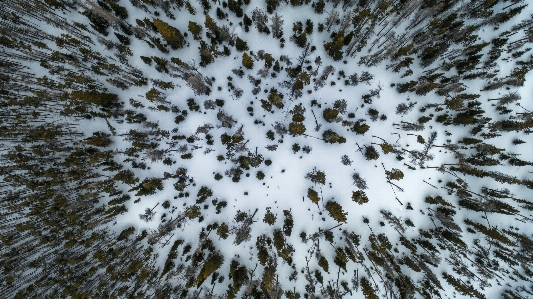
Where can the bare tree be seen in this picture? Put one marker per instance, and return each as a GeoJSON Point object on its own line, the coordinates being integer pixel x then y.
{"type": "Point", "coordinates": [277, 26]}
{"type": "Point", "coordinates": [148, 214]}
{"type": "Point", "coordinates": [244, 228]}
{"type": "Point", "coordinates": [359, 181]}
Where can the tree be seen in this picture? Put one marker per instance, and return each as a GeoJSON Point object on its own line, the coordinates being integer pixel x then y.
{"type": "Point", "coordinates": [316, 176]}
{"type": "Point", "coordinates": [334, 48]}
{"type": "Point", "coordinates": [296, 128]}
{"type": "Point", "coordinates": [148, 214]}
{"type": "Point", "coordinates": [213, 262]}
{"type": "Point", "coordinates": [335, 211]}
{"type": "Point", "coordinates": [359, 181]}
{"type": "Point", "coordinates": [148, 186]}
{"type": "Point", "coordinates": [359, 197]}
{"type": "Point", "coordinates": [332, 137]}
{"type": "Point", "coordinates": [261, 19]}
{"type": "Point", "coordinates": [313, 195]}
{"type": "Point", "coordinates": [371, 153]}
{"type": "Point", "coordinates": [368, 290]}
{"type": "Point", "coordinates": [171, 35]}
{"type": "Point", "coordinates": [277, 26]}
{"type": "Point", "coordinates": [394, 174]}
{"type": "Point", "coordinates": [241, 45]}
{"type": "Point", "coordinates": [195, 29]}
{"type": "Point", "coordinates": [270, 217]}
{"type": "Point", "coordinates": [99, 139]}
{"type": "Point", "coordinates": [247, 61]}
{"type": "Point", "coordinates": [330, 114]}
{"type": "Point", "coordinates": [360, 127]}
{"type": "Point", "coordinates": [272, 5]}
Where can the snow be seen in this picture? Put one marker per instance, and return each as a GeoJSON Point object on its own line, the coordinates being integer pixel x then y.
{"type": "Point", "coordinates": [285, 186]}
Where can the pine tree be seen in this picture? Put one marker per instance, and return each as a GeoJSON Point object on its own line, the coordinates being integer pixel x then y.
{"type": "Point", "coordinates": [335, 211]}
{"type": "Point", "coordinates": [371, 153]}
{"type": "Point", "coordinates": [241, 45]}
{"type": "Point", "coordinates": [334, 48]}
{"type": "Point", "coordinates": [313, 195]}
{"type": "Point", "coordinates": [195, 29]}
{"type": "Point", "coordinates": [359, 197]}
{"type": "Point", "coordinates": [247, 61]}
{"type": "Point", "coordinates": [171, 35]}
{"type": "Point", "coordinates": [316, 176]}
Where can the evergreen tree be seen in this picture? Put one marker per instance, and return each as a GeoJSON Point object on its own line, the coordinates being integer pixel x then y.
{"type": "Point", "coordinates": [247, 61]}
{"type": "Point", "coordinates": [171, 35]}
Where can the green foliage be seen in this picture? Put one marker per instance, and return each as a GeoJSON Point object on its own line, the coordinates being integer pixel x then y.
{"type": "Point", "coordinates": [334, 48]}
{"type": "Point", "coordinates": [223, 231]}
{"type": "Point", "coordinates": [104, 100]}
{"type": "Point", "coordinates": [172, 255]}
{"type": "Point", "coordinates": [276, 98]}
{"type": "Point", "coordinates": [340, 258]}
{"type": "Point", "coordinates": [126, 233]}
{"type": "Point", "coordinates": [203, 194]}
{"type": "Point", "coordinates": [284, 250]}
{"type": "Point", "coordinates": [371, 153]}
{"type": "Point", "coordinates": [368, 290]}
{"type": "Point", "coordinates": [148, 186]}
{"type": "Point", "coordinates": [241, 46]}
{"type": "Point", "coordinates": [99, 139]}
{"type": "Point", "coordinates": [193, 212]}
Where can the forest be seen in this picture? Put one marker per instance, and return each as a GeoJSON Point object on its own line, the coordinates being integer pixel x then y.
{"type": "Point", "coordinates": [266, 149]}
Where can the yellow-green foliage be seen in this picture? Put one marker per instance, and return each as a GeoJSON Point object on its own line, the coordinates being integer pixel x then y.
{"type": "Point", "coordinates": [462, 288]}
{"type": "Point", "coordinates": [214, 262]}
{"type": "Point", "coordinates": [386, 148]}
{"type": "Point", "coordinates": [313, 195]}
{"type": "Point", "coordinates": [276, 98]}
{"type": "Point", "coordinates": [247, 61]}
{"type": "Point", "coordinates": [323, 262]}
{"type": "Point", "coordinates": [105, 100]}
{"type": "Point", "coordinates": [171, 35]}
{"type": "Point", "coordinates": [267, 283]}
{"type": "Point", "coordinates": [335, 211]}
{"type": "Point", "coordinates": [359, 197]}
{"type": "Point", "coordinates": [297, 128]}
{"type": "Point", "coordinates": [394, 174]}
